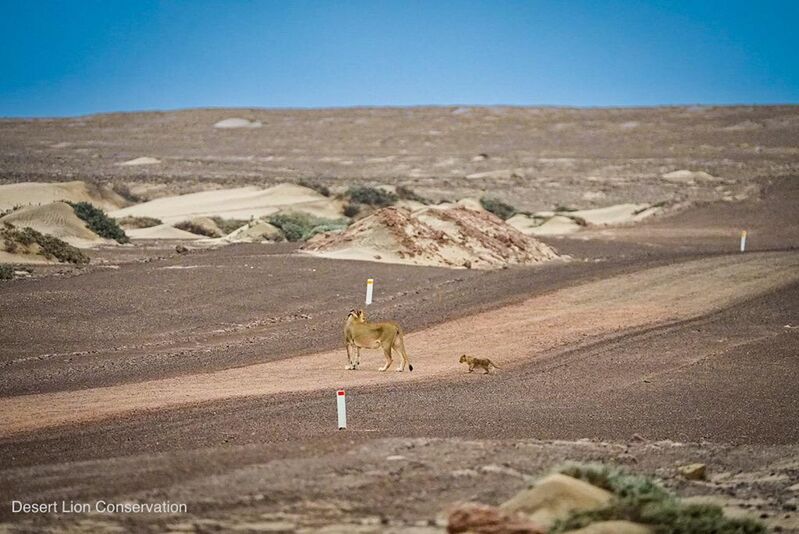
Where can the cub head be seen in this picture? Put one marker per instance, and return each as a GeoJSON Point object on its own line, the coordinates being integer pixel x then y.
{"type": "Point", "coordinates": [463, 358]}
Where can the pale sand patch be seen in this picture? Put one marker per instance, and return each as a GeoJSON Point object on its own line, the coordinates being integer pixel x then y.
{"type": "Point", "coordinates": [161, 231]}
{"type": "Point", "coordinates": [235, 122]}
{"type": "Point", "coordinates": [518, 332]}
{"type": "Point", "coordinates": [501, 174]}
{"type": "Point", "coordinates": [257, 231]}
{"type": "Point", "coordinates": [468, 202]}
{"type": "Point", "coordinates": [57, 219]}
{"type": "Point", "coordinates": [237, 203]}
{"type": "Point", "coordinates": [33, 193]}
{"type": "Point", "coordinates": [411, 205]}
{"type": "Point", "coordinates": [617, 214]}
{"type": "Point", "coordinates": [144, 160]}
{"type": "Point", "coordinates": [689, 177]}
{"type": "Point", "coordinates": [551, 225]}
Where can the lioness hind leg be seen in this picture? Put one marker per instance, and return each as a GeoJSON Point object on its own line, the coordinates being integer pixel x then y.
{"type": "Point", "coordinates": [387, 354]}
{"type": "Point", "coordinates": [400, 346]}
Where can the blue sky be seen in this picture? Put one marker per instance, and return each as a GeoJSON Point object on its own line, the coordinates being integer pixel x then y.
{"type": "Point", "coordinates": [84, 56]}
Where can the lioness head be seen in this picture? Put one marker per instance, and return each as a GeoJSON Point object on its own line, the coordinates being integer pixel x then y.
{"type": "Point", "coordinates": [358, 315]}
{"type": "Point", "coordinates": [463, 358]}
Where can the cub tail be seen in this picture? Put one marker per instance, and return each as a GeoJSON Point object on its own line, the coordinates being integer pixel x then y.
{"type": "Point", "coordinates": [495, 365]}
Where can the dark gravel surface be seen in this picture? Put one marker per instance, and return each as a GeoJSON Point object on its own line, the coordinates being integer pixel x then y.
{"type": "Point", "coordinates": [728, 378]}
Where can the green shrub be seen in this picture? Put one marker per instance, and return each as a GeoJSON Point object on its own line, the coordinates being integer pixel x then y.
{"type": "Point", "coordinates": [322, 228]}
{"type": "Point", "coordinates": [50, 247]}
{"type": "Point", "coordinates": [195, 228]}
{"type": "Point", "coordinates": [138, 222]}
{"type": "Point", "coordinates": [371, 196]}
{"type": "Point", "coordinates": [228, 225]}
{"type": "Point", "coordinates": [98, 222]}
{"type": "Point", "coordinates": [6, 272]}
{"type": "Point", "coordinates": [641, 500]}
{"type": "Point", "coordinates": [316, 186]}
{"type": "Point", "coordinates": [352, 209]}
{"type": "Point", "coordinates": [124, 191]}
{"type": "Point", "coordinates": [301, 226]}
{"type": "Point", "coordinates": [498, 208]}
{"type": "Point", "coordinates": [406, 193]}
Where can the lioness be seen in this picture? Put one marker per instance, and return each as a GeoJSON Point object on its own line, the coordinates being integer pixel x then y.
{"type": "Point", "coordinates": [483, 363]}
{"type": "Point", "coordinates": [361, 334]}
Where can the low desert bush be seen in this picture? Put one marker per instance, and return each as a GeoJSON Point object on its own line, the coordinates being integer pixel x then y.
{"type": "Point", "coordinates": [138, 222]}
{"type": "Point", "coordinates": [406, 193]}
{"type": "Point", "coordinates": [98, 222]}
{"type": "Point", "coordinates": [50, 247]}
{"type": "Point", "coordinates": [642, 500]}
{"type": "Point", "coordinates": [228, 225]}
{"type": "Point", "coordinates": [497, 207]}
{"type": "Point", "coordinates": [316, 186]}
{"type": "Point", "coordinates": [195, 228]}
{"type": "Point", "coordinates": [124, 191]}
{"type": "Point", "coordinates": [6, 272]}
{"type": "Point", "coordinates": [371, 196]}
{"type": "Point", "coordinates": [10, 210]}
{"type": "Point", "coordinates": [301, 226]}
{"type": "Point", "coordinates": [352, 209]}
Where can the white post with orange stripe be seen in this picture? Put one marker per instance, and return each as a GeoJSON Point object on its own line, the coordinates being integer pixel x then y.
{"type": "Point", "coordinates": [743, 240]}
{"type": "Point", "coordinates": [341, 405]}
{"type": "Point", "coordinates": [370, 285]}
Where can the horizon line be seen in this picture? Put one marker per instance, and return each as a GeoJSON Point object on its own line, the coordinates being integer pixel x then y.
{"type": "Point", "coordinates": [400, 106]}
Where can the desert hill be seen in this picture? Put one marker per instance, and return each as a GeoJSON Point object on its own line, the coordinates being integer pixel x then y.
{"type": "Point", "coordinates": [444, 237]}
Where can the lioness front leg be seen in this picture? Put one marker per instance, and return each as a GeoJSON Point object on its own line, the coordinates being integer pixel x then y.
{"type": "Point", "coordinates": [349, 366]}
{"type": "Point", "coordinates": [357, 356]}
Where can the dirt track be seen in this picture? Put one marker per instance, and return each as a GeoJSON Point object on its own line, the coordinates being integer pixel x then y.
{"type": "Point", "coordinates": [659, 295]}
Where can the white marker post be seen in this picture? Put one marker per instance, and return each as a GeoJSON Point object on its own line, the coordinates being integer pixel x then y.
{"type": "Point", "coordinates": [743, 240]}
{"type": "Point", "coordinates": [341, 405]}
{"type": "Point", "coordinates": [370, 285]}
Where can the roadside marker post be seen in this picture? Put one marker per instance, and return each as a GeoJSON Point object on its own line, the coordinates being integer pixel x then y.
{"type": "Point", "coordinates": [341, 405]}
{"type": "Point", "coordinates": [370, 285]}
{"type": "Point", "coordinates": [743, 240]}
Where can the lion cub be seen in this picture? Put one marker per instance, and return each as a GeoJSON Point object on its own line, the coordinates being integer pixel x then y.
{"type": "Point", "coordinates": [473, 362]}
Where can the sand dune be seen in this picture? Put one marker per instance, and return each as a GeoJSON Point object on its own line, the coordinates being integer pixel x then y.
{"type": "Point", "coordinates": [445, 237]}
{"type": "Point", "coordinates": [57, 219]}
{"type": "Point", "coordinates": [618, 214]}
{"type": "Point", "coordinates": [567, 222]}
{"type": "Point", "coordinates": [33, 193]}
{"type": "Point", "coordinates": [254, 232]}
{"type": "Point", "coordinates": [162, 231]}
{"type": "Point", "coordinates": [238, 203]}
{"type": "Point", "coordinates": [554, 225]}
